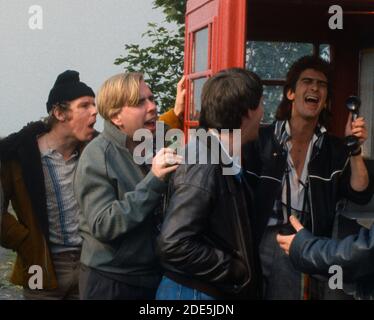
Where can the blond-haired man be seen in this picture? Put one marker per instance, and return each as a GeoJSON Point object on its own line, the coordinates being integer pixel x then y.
{"type": "Point", "coordinates": [119, 199]}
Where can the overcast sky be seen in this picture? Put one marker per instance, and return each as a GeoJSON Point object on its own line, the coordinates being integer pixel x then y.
{"type": "Point", "coordinates": [83, 35]}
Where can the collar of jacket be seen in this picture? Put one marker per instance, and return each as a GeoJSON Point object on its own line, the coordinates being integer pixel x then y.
{"type": "Point", "coordinates": [113, 134]}
{"type": "Point", "coordinates": [224, 158]}
{"type": "Point", "coordinates": [282, 133]}
{"type": "Point", "coordinates": [25, 138]}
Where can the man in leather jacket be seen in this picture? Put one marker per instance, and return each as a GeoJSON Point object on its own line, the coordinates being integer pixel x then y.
{"type": "Point", "coordinates": [206, 242]}
{"type": "Point", "coordinates": [296, 167]}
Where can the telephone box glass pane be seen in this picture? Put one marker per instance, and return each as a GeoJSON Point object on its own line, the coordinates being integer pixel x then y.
{"type": "Point", "coordinates": [324, 52]}
{"type": "Point", "coordinates": [272, 98]}
{"type": "Point", "coordinates": [197, 86]}
{"type": "Point", "coordinates": [200, 61]}
{"type": "Point", "coordinates": [271, 60]}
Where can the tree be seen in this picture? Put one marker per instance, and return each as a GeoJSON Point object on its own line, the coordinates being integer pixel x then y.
{"type": "Point", "coordinates": [162, 61]}
{"type": "Point", "coordinates": [173, 9]}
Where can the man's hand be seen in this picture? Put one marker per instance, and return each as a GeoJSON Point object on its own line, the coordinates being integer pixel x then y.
{"type": "Point", "coordinates": [179, 100]}
{"type": "Point", "coordinates": [359, 175]}
{"type": "Point", "coordinates": [164, 162]}
{"type": "Point", "coordinates": [356, 128]}
{"type": "Point", "coordinates": [286, 241]}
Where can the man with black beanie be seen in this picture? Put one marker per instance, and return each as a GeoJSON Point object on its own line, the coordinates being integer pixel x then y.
{"type": "Point", "coordinates": [37, 168]}
{"type": "Point", "coordinates": [38, 164]}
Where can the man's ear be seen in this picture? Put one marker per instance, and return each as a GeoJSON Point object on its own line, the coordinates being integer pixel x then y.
{"type": "Point", "coordinates": [59, 114]}
{"type": "Point", "coordinates": [290, 95]}
{"type": "Point", "coordinates": [251, 113]}
{"type": "Point", "coordinates": [116, 120]}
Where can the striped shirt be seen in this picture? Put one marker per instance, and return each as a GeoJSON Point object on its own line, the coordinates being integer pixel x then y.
{"type": "Point", "coordinates": [299, 197]}
{"type": "Point", "coordinates": [62, 207]}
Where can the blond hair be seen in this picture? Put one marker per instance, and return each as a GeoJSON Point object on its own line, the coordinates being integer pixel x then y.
{"type": "Point", "coordinates": [118, 91]}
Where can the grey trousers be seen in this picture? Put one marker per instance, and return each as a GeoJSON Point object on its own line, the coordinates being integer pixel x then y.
{"type": "Point", "coordinates": [94, 285]}
{"type": "Point", "coordinates": [281, 280]}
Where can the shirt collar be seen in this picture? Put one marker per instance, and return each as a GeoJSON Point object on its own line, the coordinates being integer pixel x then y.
{"type": "Point", "coordinates": [282, 132]}
{"type": "Point", "coordinates": [52, 153]}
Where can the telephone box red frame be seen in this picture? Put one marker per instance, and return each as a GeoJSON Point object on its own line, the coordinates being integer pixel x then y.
{"type": "Point", "coordinates": [232, 22]}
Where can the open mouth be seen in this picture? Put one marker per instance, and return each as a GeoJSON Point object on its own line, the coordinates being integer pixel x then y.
{"type": "Point", "coordinates": [91, 126]}
{"type": "Point", "coordinates": [151, 123]}
{"type": "Point", "coordinates": [312, 99]}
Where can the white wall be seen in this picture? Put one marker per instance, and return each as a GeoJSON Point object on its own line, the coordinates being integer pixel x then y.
{"type": "Point", "coordinates": [83, 35]}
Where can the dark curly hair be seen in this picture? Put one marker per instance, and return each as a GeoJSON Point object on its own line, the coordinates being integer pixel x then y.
{"type": "Point", "coordinates": [304, 63]}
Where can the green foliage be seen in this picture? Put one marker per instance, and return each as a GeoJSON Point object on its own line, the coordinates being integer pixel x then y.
{"type": "Point", "coordinates": [162, 61]}
{"type": "Point", "coordinates": [173, 9]}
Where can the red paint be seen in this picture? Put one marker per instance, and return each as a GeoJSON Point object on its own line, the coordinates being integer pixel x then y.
{"type": "Point", "coordinates": [226, 21]}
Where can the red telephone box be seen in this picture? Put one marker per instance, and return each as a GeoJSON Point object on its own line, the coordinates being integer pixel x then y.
{"type": "Point", "coordinates": [226, 33]}
{"type": "Point", "coordinates": [212, 26]}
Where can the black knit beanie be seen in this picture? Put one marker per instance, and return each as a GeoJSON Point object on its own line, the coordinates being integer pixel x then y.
{"type": "Point", "coordinates": [67, 88]}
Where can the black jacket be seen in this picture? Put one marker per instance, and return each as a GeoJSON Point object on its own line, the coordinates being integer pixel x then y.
{"type": "Point", "coordinates": [206, 237]}
{"type": "Point", "coordinates": [328, 178]}
{"type": "Point", "coordinates": [354, 254]}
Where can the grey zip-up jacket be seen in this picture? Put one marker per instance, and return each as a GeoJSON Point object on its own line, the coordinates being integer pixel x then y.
{"type": "Point", "coordinates": [117, 208]}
